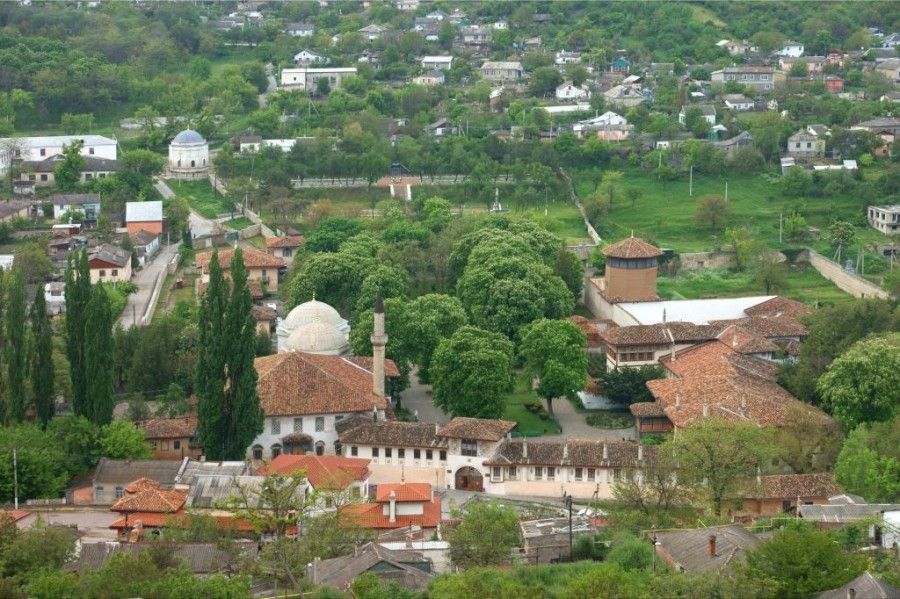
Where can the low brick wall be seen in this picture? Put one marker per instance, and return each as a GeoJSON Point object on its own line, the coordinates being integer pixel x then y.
{"type": "Point", "coordinates": [849, 282]}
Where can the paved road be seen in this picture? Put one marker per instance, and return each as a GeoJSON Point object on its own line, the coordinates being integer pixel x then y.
{"type": "Point", "coordinates": [273, 85]}
{"type": "Point", "coordinates": [417, 399]}
{"type": "Point", "coordinates": [145, 280]}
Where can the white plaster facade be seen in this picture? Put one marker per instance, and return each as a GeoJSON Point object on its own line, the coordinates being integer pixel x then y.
{"type": "Point", "coordinates": [188, 156]}
{"type": "Point", "coordinates": [320, 428]}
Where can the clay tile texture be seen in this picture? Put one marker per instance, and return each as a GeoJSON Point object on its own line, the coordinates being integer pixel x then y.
{"type": "Point", "coordinates": [632, 247]}
{"type": "Point", "coordinates": [151, 499]}
{"type": "Point", "coordinates": [479, 429]}
{"type": "Point", "coordinates": [169, 428]}
{"type": "Point", "coordinates": [296, 383]}
{"type": "Point", "coordinates": [391, 433]}
{"type": "Point", "coordinates": [323, 472]}
{"type": "Point", "coordinates": [791, 486]}
{"type": "Point", "coordinates": [253, 258]}
{"type": "Point", "coordinates": [291, 241]}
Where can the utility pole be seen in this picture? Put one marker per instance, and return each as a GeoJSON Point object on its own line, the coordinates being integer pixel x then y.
{"type": "Point", "coordinates": [691, 185]}
{"type": "Point", "coordinates": [780, 226]}
{"type": "Point", "coordinates": [16, 478]}
{"type": "Point", "coordinates": [726, 191]}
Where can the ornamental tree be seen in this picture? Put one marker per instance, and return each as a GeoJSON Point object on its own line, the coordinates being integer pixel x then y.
{"type": "Point", "coordinates": [554, 352]}
{"type": "Point", "coordinates": [470, 373]}
{"type": "Point", "coordinates": [863, 385]}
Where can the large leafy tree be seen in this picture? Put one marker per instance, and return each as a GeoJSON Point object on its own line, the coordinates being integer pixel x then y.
{"type": "Point", "coordinates": [122, 439]}
{"type": "Point", "coordinates": [99, 353]}
{"type": "Point", "coordinates": [78, 293]}
{"type": "Point", "coordinates": [16, 348]}
{"type": "Point", "coordinates": [68, 172]}
{"type": "Point", "coordinates": [470, 372]}
{"type": "Point", "coordinates": [863, 385]}
{"type": "Point", "coordinates": [430, 319]}
{"type": "Point", "coordinates": [629, 385]}
{"type": "Point", "coordinates": [554, 351]}
{"type": "Point", "coordinates": [715, 455]}
{"type": "Point", "coordinates": [485, 536]}
{"type": "Point", "coordinates": [42, 369]}
{"type": "Point", "coordinates": [801, 561]}
{"type": "Point", "coordinates": [869, 462]}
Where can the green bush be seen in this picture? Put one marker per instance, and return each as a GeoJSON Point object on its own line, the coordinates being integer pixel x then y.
{"type": "Point", "coordinates": [610, 419]}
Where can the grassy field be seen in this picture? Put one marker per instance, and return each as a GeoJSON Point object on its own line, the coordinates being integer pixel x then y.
{"type": "Point", "coordinates": [201, 196]}
{"type": "Point", "coordinates": [241, 222]}
{"type": "Point", "coordinates": [530, 424]}
{"type": "Point", "coordinates": [664, 212]}
{"type": "Point", "coordinates": [803, 283]}
{"type": "Point", "coordinates": [169, 297]}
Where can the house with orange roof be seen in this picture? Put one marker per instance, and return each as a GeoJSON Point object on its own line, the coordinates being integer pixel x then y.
{"type": "Point", "coordinates": [172, 438]}
{"type": "Point", "coordinates": [146, 505]}
{"type": "Point", "coordinates": [305, 395]}
{"type": "Point", "coordinates": [284, 247]}
{"type": "Point", "coordinates": [713, 379]}
{"type": "Point", "coordinates": [398, 505]}
{"type": "Point", "coordinates": [331, 475]}
{"type": "Point", "coordinates": [262, 268]}
{"type": "Point", "coordinates": [779, 494]}
{"type": "Point", "coordinates": [21, 518]}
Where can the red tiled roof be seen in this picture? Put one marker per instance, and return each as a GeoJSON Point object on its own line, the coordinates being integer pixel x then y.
{"type": "Point", "coordinates": [779, 306]}
{"type": "Point", "coordinates": [169, 428]}
{"type": "Point", "coordinates": [746, 342]}
{"type": "Point", "coordinates": [253, 258]}
{"type": "Point", "coordinates": [791, 486]}
{"type": "Point", "coordinates": [14, 515]}
{"type": "Point", "coordinates": [768, 326]}
{"type": "Point", "coordinates": [480, 429]}
{"type": "Point", "coordinates": [151, 499]}
{"type": "Point", "coordinates": [263, 313]}
{"type": "Point", "coordinates": [148, 519]}
{"type": "Point", "coordinates": [371, 515]}
{"type": "Point", "coordinates": [323, 472]}
{"type": "Point", "coordinates": [291, 241]}
{"type": "Point", "coordinates": [390, 367]}
{"type": "Point", "coordinates": [590, 330]}
{"type": "Point", "coordinates": [296, 383]}
{"type": "Point", "coordinates": [403, 492]}
{"type": "Point", "coordinates": [731, 386]}
{"type": "Point", "coordinates": [631, 247]}
{"type": "Point", "coordinates": [141, 484]}
{"type": "Point", "coordinates": [646, 409]}
{"type": "Point", "coordinates": [663, 333]}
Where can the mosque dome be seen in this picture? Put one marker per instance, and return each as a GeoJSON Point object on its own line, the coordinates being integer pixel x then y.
{"type": "Point", "coordinates": [311, 311]}
{"type": "Point", "coordinates": [317, 337]}
{"type": "Point", "coordinates": [188, 136]}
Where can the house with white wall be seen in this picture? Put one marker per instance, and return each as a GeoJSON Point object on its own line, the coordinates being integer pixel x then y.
{"type": "Point", "coordinates": [35, 149]}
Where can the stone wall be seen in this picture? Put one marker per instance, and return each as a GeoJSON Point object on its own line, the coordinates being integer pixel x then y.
{"type": "Point", "coordinates": [701, 260]}
{"type": "Point", "coordinates": [849, 282]}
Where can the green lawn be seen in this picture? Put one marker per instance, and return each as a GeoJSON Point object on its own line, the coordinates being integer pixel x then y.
{"type": "Point", "coordinates": [169, 297]}
{"type": "Point", "coordinates": [530, 425]}
{"type": "Point", "coordinates": [241, 222]}
{"type": "Point", "coordinates": [664, 212]}
{"type": "Point", "coordinates": [803, 283]}
{"type": "Point", "coordinates": [201, 196]}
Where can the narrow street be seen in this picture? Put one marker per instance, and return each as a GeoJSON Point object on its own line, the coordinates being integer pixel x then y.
{"type": "Point", "coordinates": [145, 279]}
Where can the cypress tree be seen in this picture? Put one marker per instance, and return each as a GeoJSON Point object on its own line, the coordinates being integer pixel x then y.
{"type": "Point", "coordinates": [42, 358]}
{"type": "Point", "coordinates": [4, 407]}
{"type": "Point", "coordinates": [98, 358]}
{"type": "Point", "coordinates": [243, 413]}
{"type": "Point", "coordinates": [78, 293]}
{"type": "Point", "coordinates": [210, 369]}
{"type": "Point", "coordinates": [16, 351]}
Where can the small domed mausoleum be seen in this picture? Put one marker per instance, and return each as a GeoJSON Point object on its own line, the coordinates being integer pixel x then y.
{"type": "Point", "coordinates": [188, 156]}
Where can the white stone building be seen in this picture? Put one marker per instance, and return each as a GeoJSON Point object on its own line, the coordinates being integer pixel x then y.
{"type": "Point", "coordinates": [306, 314]}
{"type": "Point", "coordinates": [36, 149]}
{"type": "Point", "coordinates": [188, 156]}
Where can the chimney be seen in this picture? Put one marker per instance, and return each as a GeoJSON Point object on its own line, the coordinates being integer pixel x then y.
{"type": "Point", "coordinates": [851, 593]}
{"type": "Point", "coordinates": [664, 315]}
{"type": "Point", "coordinates": [712, 545]}
{"type": "Point", "coordinates": [379, 340]}
{"type": "Point", "coordinates": [605, 454]}
{"type": "Point", "coordinates": [706, 409]}
{"type": "Point", "coordinates": [565, 450]}
{"type": "Point", "coordinates": [525, 448]}
{"type": "Point", "coordinates": [374, 414]}
{"type": "Point", "coordinates": [733, 337]}
{"type": "Point", "coordinates": [678, 400]}
{"type": "Point", "coordinates": [392, 514]}
{"type": "Point", "coordinates": [640, 453]}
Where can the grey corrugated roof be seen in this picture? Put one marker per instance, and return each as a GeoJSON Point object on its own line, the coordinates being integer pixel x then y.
{"type": "Point", "coordinates": [211, 490]}
{"type": "Point", "coordinates": [63, 199]}
{"type": "Point", "coordinates": [689, 549]}
{"type": "Point", "coordinates": [136, 212]}
{"type": "Point", "coordinates": [200, 558]}
{"type": "Point", "coordinates": [864, 586]}
{"type": "Point", "coordinates": [195, 468]}
{"type": "Point", "coordinates": [845, 512]}
{"type": "Point", "coordinates": [126, 471]}
{"type": "Point", "coordinates": [407, 567]}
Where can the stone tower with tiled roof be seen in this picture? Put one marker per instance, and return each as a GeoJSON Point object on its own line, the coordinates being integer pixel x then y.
{"type": "Point", "coordinates": [631, 269]}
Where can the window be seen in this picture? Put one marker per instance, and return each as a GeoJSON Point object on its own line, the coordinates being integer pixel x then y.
{"type": "Point", "coordinates": [443, 455]}
{"type": "Point", "coordinates": [91, 151]}
{"type": "Point", "coordinates": [43, 151]}
{"type": "Point", "coordinates": [401, 453]}
{"type": "Point", "coordinates": [276, 426]}
{"type": "Point", "coordinates": [43, 177]}
{"type": "Point", "coordinates": [551, 473]}
{"type": "Point", "coordinates": [354, 492]}
{"type": "Point", "coordinates": [31, 177]}
{"type": "Point", "coordinates": [808, 145]}
{"type": "Point", "coordinates": [320, 448]}
{"type": "Point", "coordinates": [98, 494]}
{"type": "Point", "coordinates": [469, 447]}
{"type": "Point", "coordinates": [119, 492]}
{"type": "Point", "coordinates": [428, 454]}
{"type": "Point", "coordinates": [102, 273]}
{"type": "Point", "coordinates": [320, 424]}
{"type": "Point", "coordinates": [276, 450]}
{"type": "Point", "coordinates": [417, 454]}
{"type": "Point", "coordinates": [578, 473]}
{"type": "Point", "coordinates": [497, 473]}
{"type": "Point", "coordinates": [538, 472]}
{"type": "Point", "coordinates": [339, 417]}
{"type": "Point", "coordinates": [192, 163]}
{"type": "Point", "coordinates": [388, 452]}
{"type": "Point", "coordinates": [590, 474]}
{"type": "Point", "coordinates": [286, 252]}
{"type": "Point", "coordinates": [176, 445]}
{"type": "Point", "coordinates": [511, 473]}
{"type": "Point", "coordinates": [257, 452]}
{"type": "Point", "coordinates": [298, 425]}
{"type": "Point", "coordinates": [115, 272]}
{"type": "Point", "coordinates": [374, 452]}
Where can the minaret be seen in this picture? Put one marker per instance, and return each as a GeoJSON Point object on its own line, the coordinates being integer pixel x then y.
{"type": "Point", "coordinates": [379, 340]}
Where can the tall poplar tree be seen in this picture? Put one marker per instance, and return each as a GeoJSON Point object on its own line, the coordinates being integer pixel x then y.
{"type": "Point", "coordinates": [4, 406]}
{"type": "Point", "coordinates": [210, 369]}
{"type": "Point", "coordinates": [243, 414]}
{"type": "Point", "coordinates": [78, 293]}
{"type": "Point", "coordinates": [41, 358]}
{"type": "Point", "coordinates": [16, 351]}
{"type": "Point", "coordinates": [99, 353]}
